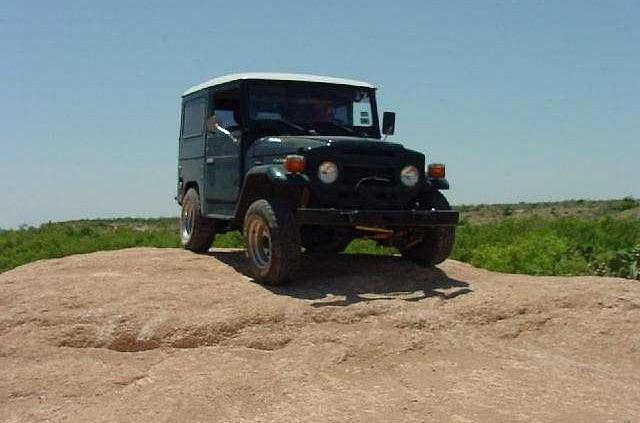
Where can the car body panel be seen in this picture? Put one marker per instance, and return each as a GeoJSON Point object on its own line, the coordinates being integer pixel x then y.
{"type": "Point", "coordinates": [231, 171]}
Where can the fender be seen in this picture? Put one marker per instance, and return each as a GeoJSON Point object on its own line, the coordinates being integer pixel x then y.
{"type": "Point", "coordinates": [270, 181]}
{"type": "Point", "coordinates": [276, 175]}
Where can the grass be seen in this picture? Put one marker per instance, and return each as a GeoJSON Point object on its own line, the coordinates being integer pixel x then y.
{"type": "Point", "coordinates": [562, 246]}
{"type": "Point", "coordinates": [55, 240]}
{"type": "Point", "coordinates": [581, 209]}
{"type": "Point", "coordinates": [62, 239]}
{"type": "Point", "coordinates": [575, 237]}
{"type": "Point", "coordinates": [565, 246]}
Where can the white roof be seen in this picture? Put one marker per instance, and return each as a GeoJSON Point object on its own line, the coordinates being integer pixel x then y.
{"type": "Point", "coordinates": [276, 76]}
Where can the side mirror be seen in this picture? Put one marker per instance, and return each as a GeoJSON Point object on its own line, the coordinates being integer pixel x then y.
{"type": "Point", "coordinates": [212, 124]}
{"type": "Point", "coordinates": [388, 123]}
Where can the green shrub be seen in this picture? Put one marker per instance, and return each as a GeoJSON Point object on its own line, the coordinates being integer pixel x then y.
{"type": "Point", "coordinates": [229, 240]}
{"type": "Point", "coordinates": [561, 246]}
{"type": "Point", "coordinates": [626, 203]}
{"type": "Point", "coordinates": [28, 244]}
{"type": "Point", "coordinates": [537, 254]}
{"type": "Point", "coordinates": [368, 246]}
{"type": "Point", "coordinates": [623, 264]}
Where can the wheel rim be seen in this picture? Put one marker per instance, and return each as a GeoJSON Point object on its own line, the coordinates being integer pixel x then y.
{"type": "Point", "coordinates": [259, 243]}
{"type": "Point", "coordinates": [187, 223]}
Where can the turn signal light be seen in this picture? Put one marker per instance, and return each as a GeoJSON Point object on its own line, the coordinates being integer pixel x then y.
{"type": "Point", "coordinates": [294, 163]}
{"type": "Point", "coordinates": [435, 170]}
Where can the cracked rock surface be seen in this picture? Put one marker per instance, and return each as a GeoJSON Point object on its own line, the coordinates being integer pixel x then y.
{"type": "Point", "coordinates": [166, 335]}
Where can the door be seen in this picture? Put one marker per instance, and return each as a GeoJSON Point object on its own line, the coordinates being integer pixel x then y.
{"type": "Point", "coordinates": [192, 141]}
{"type": "Point", "coordinates": [223, 152]}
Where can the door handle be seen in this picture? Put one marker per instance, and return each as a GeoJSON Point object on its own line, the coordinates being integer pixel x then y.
{"type": "Point", "coordinates": [210, 160]}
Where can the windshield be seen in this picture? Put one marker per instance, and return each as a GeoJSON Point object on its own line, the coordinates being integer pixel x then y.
{"type": "Point", "coordinates": [295, 108]}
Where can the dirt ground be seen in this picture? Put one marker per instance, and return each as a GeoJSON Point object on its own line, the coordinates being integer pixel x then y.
{"type": "Point", "coordinates": [165, 335]}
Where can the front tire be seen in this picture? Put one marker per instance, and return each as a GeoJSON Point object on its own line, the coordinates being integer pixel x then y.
{"type": "Point", "coordinates": [436, 244]}
{"type": "Point", "coordinates": [272, 242]}
{"type": "Point", "coordinates": [197, 232]}
{"type": "Point", "coordinates": [434, 248]}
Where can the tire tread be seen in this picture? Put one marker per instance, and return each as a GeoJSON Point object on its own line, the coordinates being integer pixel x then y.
{"type": "Point", "coordinates": [285, 242]}
{"type": "Point", "coordinates": [203, 233]}
{"type": "Point", "coordinates": [437, 244]}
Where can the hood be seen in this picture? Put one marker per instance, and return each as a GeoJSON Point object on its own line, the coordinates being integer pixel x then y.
{"type": "Point", "coordinates": [281, 145]}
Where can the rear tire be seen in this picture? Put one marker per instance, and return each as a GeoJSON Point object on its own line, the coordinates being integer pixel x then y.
{"type": "Point", "coordinates": [272, 242]}
{"type": "Point", "coordinates": [197, 232]}
{"type": "Point", "coordinates": [437, 243]}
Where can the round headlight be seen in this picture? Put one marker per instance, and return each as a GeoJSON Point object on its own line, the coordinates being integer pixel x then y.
{"type": "Point", "coordinates": [328, 172]}
{"type": "Point", "coordinates": [409, 175]}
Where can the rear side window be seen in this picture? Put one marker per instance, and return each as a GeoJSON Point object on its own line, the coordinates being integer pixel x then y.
{"type": "Point", "coordinates": [193, 122]}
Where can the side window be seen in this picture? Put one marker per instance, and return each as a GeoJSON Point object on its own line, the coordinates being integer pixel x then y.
{"type": "Point", "coordinates": [226, 107]}
{"type": "Point", "coordinates": [226, 118]}
{"type": "Point", "coordinates": [193, 118]}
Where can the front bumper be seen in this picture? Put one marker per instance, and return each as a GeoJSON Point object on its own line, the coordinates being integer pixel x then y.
{"type": "Point", "coordinates": [339, 217]}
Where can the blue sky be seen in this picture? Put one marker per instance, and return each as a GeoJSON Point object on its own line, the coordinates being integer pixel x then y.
{"type": "Point", "coordinates": [525, 101]}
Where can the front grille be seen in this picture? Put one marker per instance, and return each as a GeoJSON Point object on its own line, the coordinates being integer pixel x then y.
{"type": "Point", "coordinates": [368, 182]}
{"type": "Point", "coordinates": [352, 175]}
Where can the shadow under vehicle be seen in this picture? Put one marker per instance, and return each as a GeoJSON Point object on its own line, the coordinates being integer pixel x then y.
{"type": "Point", "coordinates": [297, 162]}
{"type": "Point", "coordinates": [345, 279]}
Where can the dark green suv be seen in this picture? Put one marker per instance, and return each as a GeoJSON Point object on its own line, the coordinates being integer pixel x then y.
{"type": "Point", "coordinates": [296, 163]}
